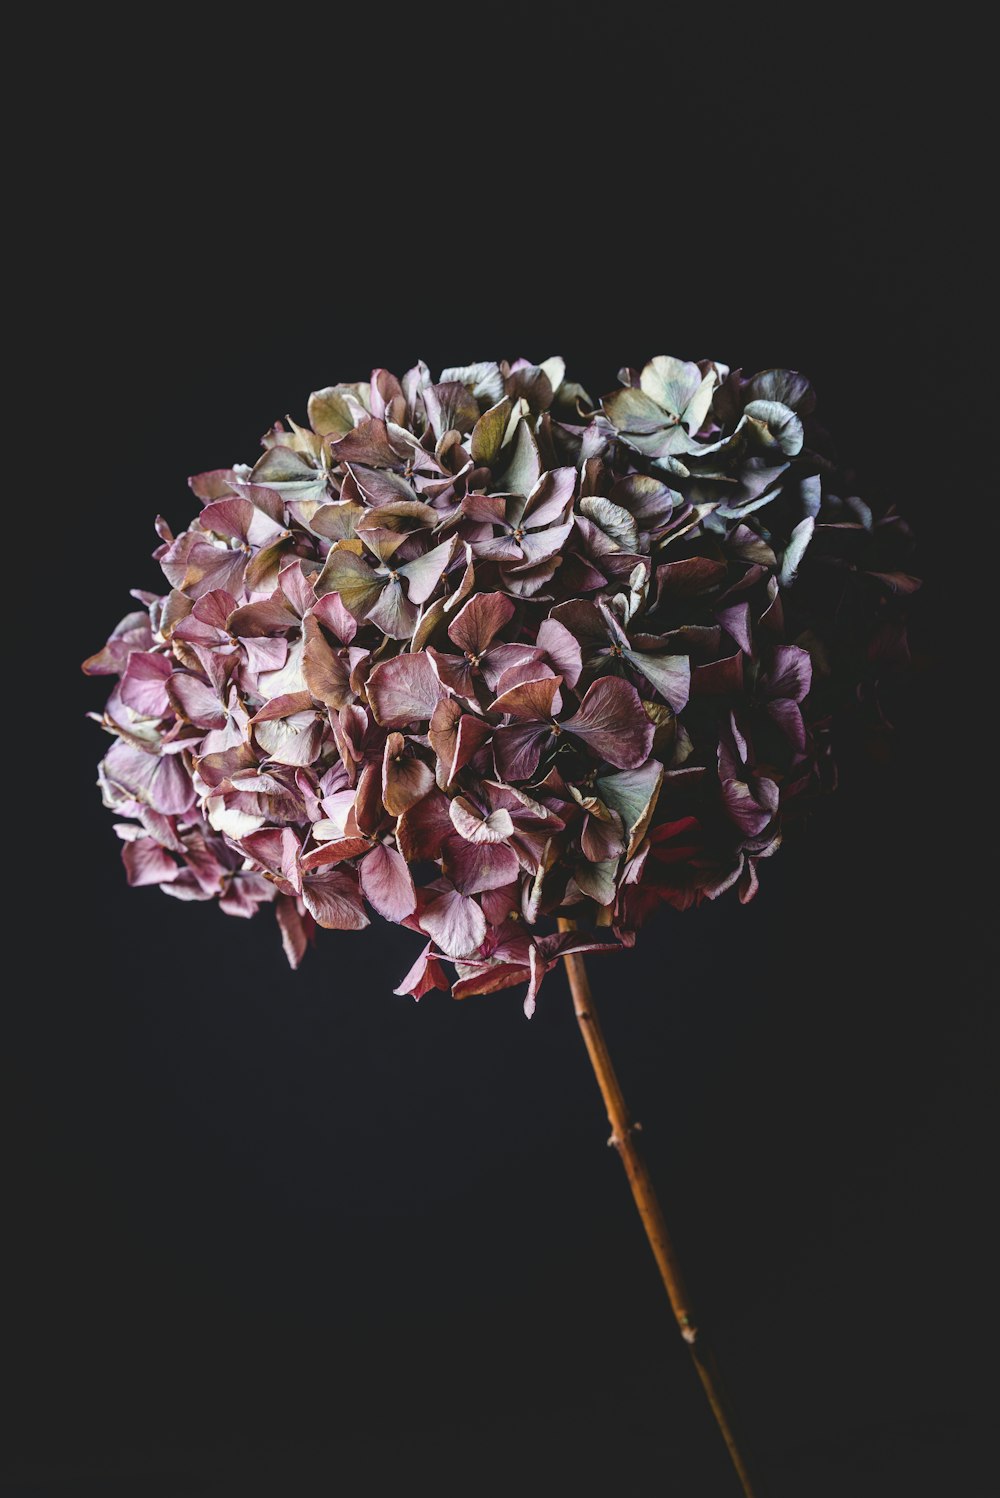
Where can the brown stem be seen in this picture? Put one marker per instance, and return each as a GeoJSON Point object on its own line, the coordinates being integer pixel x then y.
{"type": "Point", "coordinates": [623, 1137]}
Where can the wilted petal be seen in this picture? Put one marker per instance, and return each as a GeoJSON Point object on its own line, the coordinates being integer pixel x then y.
{"type": "Point", "coordinates": [277, 850]}
{"type": "Point", "coordinates": [751, 807]}
{"type": "Point", "coordinates": [386, 881]}
{"type": "Point", "coordinates": [475, 867]}
{"type": "Point", "coordinates": [479, 621]}
{"type": "Point", "coordinates": [455, 923]}
{"type": "Point", "coordinates": [562, 649]}
{"type": "Point", "coordinates": [143, 686]}
{"type": "Point", "coordinates": [393, 613]}
{"type": "Point", "coordinates": [405, 690]}
{"type": "Point", "coordinates": [719, 678]}
{"type": "Point", "coordinates": [325, 670]}
{"type": "Point", "coordinates": [421, 831]}
{"type": "Point", "coordinates": [161, 782]}
{"type": "Point", "coordinates": [529, 701]}
{"type": "Point", "coordinates": [133, 633]}
{"type": "Point", "coordinates": [633, 795]}
{"type": "Point", "coordinates": [147, 863]}
{"type": "Point", "coordinates": [425, 974]}
{"type": "Point", "coordinates": [353, 580]}
{"type": "Point", "coordinates": [334, 901]}
{"type": "Point", "coordinates": [295, 933]}
{"type": "Point", "coordinates": [613, 724]}
{"type": "Point", "coordinates": [471, 824]}
{"type": "Point", "coordinates": [425, 572]}
{"type": "Point", "coordinates": [455, 737]}
{"type": "Point", "coordinates": [795, 551]}
{"type": "Point", "coordinates": [669, 674]}
{"type": "Point", "coordinates": [196, 701]}
{"type": "Point", "coordinates": [790, 674]}
{"type": "Point", "coordinates": [405, 779]}
{"type": "Point", "coordinates": [602, 840]}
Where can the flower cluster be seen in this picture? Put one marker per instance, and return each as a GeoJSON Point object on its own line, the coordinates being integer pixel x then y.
{"type": "Point", "coordinates": [477, 652]}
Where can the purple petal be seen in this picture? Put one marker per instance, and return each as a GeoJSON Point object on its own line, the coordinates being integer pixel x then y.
{"type": "Point", "coordinates": [669, 674]}
{"type": "Point", "coordinates": [736, 622]}
{"type": "Point", "coordinates": [474, 867]}
{"type": "Point", "coordinates": [519, 748]}
{"type": "Point", "coordinates": [790, 674]}
{"type": "Point", "coordinates": [368, 443]}
{"type": "Point", "coordinates": [161, 782]}
{"type": "Point", "coordinates": [479, 621]}
{"type": "Point", "coordinates": [529, 701]}
{"type": "Point", "coordinates": [549, 499]}
{"type": "Point", "coordinates": [404, 691]}
{"type": "Point", "coordinates": [425, 572]}
{"type": "Point", "coordinates": [562, 649]}
{"type": "Point", "coordinates": [295, 933]}
{"type": "Point", "coordinates": [421, 831]}
{"type": "Point", "coordinates": [613, 724]}
{"type": "Point", "coordinates": [394, 613]}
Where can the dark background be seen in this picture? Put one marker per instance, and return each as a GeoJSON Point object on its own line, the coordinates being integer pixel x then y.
{"type": "Point", "coordinates": [292, 1234]}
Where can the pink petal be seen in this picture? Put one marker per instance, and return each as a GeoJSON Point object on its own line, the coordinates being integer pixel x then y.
{"type": "Point", "coordinates": [196, 701]}
{"type": "Point", "coordinates": [277, 850]}
{"type": "Point", "coordinates": [296, 929]}
{"type": "Point", "coordinates": [386, 881]}
{"type": "Point", "coordinates": [147, 863]}
{"type": "Point", "coordinates": [425, 974]}
{"type": "Point", "coordinates": [162, 782]}
{"type": "Point", "coordinates": [331, 613]}
{"type": "Point", "coordinates": [143, 687]}
{"type": "Point", "coordinates": [334, 901]}
{"type": "Point", "coordinates": [455, 923]}
{"type": "Point", "coordinates": [470, 823]}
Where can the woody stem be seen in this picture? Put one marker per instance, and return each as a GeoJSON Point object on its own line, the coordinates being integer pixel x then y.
{"type": "Point", "coordinates": [623, 1137]}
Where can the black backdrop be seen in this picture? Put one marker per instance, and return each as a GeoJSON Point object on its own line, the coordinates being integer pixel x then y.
{"type": "Point", "coordinates": [292, 1234]}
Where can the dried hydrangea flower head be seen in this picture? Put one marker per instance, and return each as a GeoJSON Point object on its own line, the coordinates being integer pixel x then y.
{"type": "Point", "coordinates": [476, 652]}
